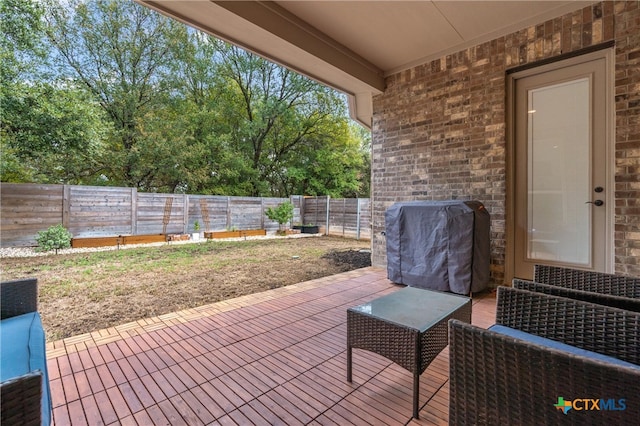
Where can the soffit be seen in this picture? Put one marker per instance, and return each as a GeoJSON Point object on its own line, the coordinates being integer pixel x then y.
{"type": "Point", "coordinates": [397, 35]}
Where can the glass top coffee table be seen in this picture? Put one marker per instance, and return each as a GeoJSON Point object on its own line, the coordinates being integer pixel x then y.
{"type": "Point", "coordinates": [409, 327]}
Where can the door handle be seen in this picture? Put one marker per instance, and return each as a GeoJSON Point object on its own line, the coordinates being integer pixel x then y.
{"type": "Point", "coordinates": [596, 202]}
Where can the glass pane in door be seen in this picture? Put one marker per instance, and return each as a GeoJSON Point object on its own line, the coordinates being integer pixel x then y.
{"type": "Point", "coordinates": [559, 173]}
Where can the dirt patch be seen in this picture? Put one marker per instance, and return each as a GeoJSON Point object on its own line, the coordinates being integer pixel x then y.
{"type": "Point", "coordinates": [84, 292]}
{"type": "Point", "coordinates": [349, 259]}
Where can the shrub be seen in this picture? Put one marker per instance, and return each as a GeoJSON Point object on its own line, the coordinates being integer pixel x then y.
{"type": "Point", "coordinates": [281, 214]}
{"type": "Point", "coordinates": [54, 238]}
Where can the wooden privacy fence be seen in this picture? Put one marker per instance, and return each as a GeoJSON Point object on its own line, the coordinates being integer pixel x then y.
{"type": "Point", "coordinates": [348, 217]}
{"type": "Point", "coordinates": [95, 211]}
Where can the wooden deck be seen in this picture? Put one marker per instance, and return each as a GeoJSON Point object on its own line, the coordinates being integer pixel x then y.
{"type": "Point", "coordinates": [277, 357]}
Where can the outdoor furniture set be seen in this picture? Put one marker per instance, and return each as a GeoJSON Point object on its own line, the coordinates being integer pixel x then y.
{"type": "Point", "coordinates": [24, 383]}
{"type": "Point", "coordinates": [567, 352]}
{"type": "Point", "coordinates": [572, 343]}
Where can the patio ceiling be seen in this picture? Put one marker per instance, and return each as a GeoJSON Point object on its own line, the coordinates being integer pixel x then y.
{"type": "Point", "coordinates": [353, 45]}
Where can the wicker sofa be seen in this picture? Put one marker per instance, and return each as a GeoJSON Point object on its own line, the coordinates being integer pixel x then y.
{"type": "Point", "coordinates": [498, 379]}
{"type": "Point", "coordinates": [24, 384]}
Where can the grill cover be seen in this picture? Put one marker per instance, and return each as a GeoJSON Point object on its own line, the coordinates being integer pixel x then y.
{"type": "Point", "coordinates": [439, 245]}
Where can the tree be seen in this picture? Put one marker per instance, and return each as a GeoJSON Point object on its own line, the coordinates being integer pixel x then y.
{"type": "Point", "coordinates": [194, 117]}
{"type": "Point", "coordinates": [49, 132]}
{"type": "Point", "coordinates": [334, 165]}
{"type": "Point", "coordinates": [281, 214]}
{"type": "Point", "coordinates": [120, 52]}
{"type": "Point", "coordinates": [54, 238]}
{"type": "Point", "coordinates": [140, 100]}
{"type": "Point", "coordinates": [20, 39]}
{"type": "Point", "coordinates": [52, 135]}
{"type": "Point", "coordinates": [274, 112]}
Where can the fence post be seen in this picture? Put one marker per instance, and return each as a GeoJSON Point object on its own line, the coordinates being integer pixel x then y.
{"type": "Point", "coordinates": [228, 213]}
{"type": "Point", "coordinates": [261, 212]}
{"type": "Point", "coordinates": [292, 200]}
{"type": "Point", "coordinates": [344, 215]}
{"type": "Point", "coordinates": [301, 200]}
{"type": "Point", "coordinates": [185, 214]}
{"type": "Point", "coordinates": [328, 208]}
{"type": "Point", "coordinates": [358, 212]}
{"type": "Point", "coordinates": [134, 211]}
{"type": "Point", "coordinates": [66, 205]}
{"type": "Point", "coordinates": [315, 199]}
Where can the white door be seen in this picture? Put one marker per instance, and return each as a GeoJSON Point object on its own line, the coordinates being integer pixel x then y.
{"type": "Point", "coordinates": [562, 191]}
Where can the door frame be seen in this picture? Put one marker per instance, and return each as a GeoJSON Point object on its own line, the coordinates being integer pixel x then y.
{"type": "Point", "coordinates": [606, 52]}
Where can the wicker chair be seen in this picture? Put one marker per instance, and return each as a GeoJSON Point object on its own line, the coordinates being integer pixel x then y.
{"type": "Point", "coordinates": [21, 396]}
{"type": "Point", "coordinates": [621, 302]}
{"type": "Point", "coordinates": [496, 379]}
{"type": "Point", "coordinates": [596, 287]}
{"type": "Point", "coordinates": [596, 282]}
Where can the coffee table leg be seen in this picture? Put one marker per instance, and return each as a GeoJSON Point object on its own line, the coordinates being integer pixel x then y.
{"type": "Point", "coordinates": [416, 395]}
{"type": "Point", "coordinates": [348, 363]}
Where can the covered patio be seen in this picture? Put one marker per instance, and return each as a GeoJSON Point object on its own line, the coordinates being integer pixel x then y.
{"type": "Point", "coordinates": [277, 357]}
{"type": "Point", "coordinates": [441, 129]}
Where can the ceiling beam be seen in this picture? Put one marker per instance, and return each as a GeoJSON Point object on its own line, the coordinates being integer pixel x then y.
{"type": "Point", "coordinates": [269, 30]}
{"type": "Point", "coordinates": [288, 27]}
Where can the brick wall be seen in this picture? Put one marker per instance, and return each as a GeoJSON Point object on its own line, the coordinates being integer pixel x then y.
{"type": "Point", "coordinates": [439, 128]}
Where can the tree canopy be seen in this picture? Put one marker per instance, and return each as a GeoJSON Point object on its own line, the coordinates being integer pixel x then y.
{"type": "Point", "coordinates": [120, 95]}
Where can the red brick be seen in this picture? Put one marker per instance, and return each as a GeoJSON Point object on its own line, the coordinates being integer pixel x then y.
{"type": "Point", "coordinates": [116, 372]}
{"type": "Point", "coordinates": [157, 416]}
{"type": "Point", "coordinates": [64, 366]}
{"type": "Point", "coordinates": [164, 384]}
{"type": "Point", "coordinates": [105, 375]}
{"type": "Point", "coordinates": [143, 418]}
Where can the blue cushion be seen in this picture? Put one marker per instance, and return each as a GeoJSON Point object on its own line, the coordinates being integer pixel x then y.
{"type": "Point", "coordinates": [23, 349]}
{"type": "Point", "coordinates": [518, 334]}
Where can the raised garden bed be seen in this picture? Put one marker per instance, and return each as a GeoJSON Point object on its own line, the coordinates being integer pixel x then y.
{"type": "Point", "coordinates": [96, 242]}
{"type": "Point", "coordinates": [85, 242]}
{"type": "Point", "coordinates": [236, 234]}
{"type": "Point", "coordinates": [145, 239]}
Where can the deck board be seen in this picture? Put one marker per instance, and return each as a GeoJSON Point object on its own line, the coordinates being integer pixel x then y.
{"type": "Point", "coordinates": [277, 358]}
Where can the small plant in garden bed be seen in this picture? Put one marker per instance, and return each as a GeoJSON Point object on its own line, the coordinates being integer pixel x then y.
{"type": "Point", "coordinates": [55, 238]}
{"type": "Point", "coordinates": [281, 214]}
